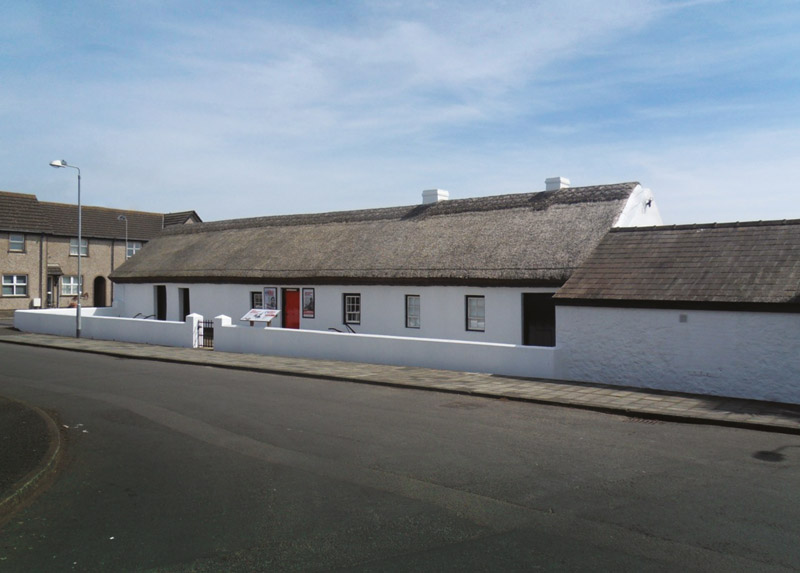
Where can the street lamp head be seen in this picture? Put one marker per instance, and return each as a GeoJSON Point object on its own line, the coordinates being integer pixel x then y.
{"type": "Point", "coordinates": [58, 163]}
{"type": "Point", "coordinates": [122, 218]}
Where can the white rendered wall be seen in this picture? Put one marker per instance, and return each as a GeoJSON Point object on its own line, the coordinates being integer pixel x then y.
{"type": "Point", "coordinates": [103, 324]}
{"type": "Point", "coordinates": [503, 359]}
{"type": "Point", "coordinates": [739, 354]}
{"type": "Point", "coordinates": [443, 309]}
{"type": "Point", "coordinates": [640, 210]}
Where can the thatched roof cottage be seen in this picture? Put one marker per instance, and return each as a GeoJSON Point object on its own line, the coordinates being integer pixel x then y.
{"type": "Point", "coordinates": [480, 268]}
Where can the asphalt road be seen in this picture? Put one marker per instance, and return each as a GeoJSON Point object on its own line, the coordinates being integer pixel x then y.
{"type": "Point", "coordinates": [179, 468]}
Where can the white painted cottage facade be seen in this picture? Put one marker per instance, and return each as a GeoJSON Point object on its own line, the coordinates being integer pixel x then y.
{"type": "Point", "coordinates": [481, 270]}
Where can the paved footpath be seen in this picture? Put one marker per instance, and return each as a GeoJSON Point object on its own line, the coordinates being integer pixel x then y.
{"type": "Point", "coordinates": [635, 402]}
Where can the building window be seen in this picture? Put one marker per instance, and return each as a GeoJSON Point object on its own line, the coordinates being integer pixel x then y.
{"type": "Point", "coordinates": [256, 299]}
{"type": "Point", "coordinates": [69, 285]}
{"type": "Point", "coordinates": [73, 247]}
{"type": "Point", "coordinates": [133, 248]}
{"type": "Point", "coordinates": [16, 243]}
{"type": "Point", "coordinates": [15, 285]}
{"type": "Point", "coordinates": [352, 309]}
{"type": "Point", "coordinates": [412, 311]}
{"type": "Point", "coordinates": [476, 313]}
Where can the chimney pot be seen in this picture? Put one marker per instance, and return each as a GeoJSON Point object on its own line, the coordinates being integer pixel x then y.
{"type": "Point", "coordinates": [556, 183]}
{"type": "Point", "coordinates": [434, 196]}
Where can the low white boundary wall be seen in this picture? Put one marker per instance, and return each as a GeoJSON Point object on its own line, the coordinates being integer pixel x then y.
{"type": "Point", "coordinates": [493, 358]}
{"type": "Point", "coordinates": [104, 324]}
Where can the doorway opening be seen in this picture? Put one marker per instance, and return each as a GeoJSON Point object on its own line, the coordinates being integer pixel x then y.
{"type": "Point", "coordinates": [291, 308]}
{"type": "Point", "coordinates": [538, 319]}
{"type": "Point", "coordinates": [99, 291]}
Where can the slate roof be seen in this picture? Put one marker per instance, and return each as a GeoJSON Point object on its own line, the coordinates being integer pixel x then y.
{"type": "Point", "coordinates": [20, 212]}
{"type": "Point", "coordinates": [181, 218]}
{"type": "Point", "coordinates": [102, 222]}
{"type": "Point", "coordinates": [529, 238]}
{"type": "Point", "coordinates": [25, 213]}
{"type": "Point", "coordinates": [710, 266]}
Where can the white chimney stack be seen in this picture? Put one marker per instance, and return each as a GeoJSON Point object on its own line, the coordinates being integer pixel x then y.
{"type": "Point", "coordinates": [556, 183]}
{"type": "Point", "coordinates": [434, 196]}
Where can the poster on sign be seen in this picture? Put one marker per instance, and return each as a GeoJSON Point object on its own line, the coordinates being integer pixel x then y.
{"type": "Point", "coordinates": [308, 303]}
{"type": "Point", "coordinates": [271, 298]}
{"type": "Point", "coordinates": [260, 315]}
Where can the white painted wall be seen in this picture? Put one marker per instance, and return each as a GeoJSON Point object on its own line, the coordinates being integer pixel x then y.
{"type": "Point", "coordinates": [443, 309]}
{"type": "Point", "coordinates": [103, 324]}
{"type": "Point", "coordinates": [739, 354]}
{"type": "Point", "coordinates": [640, 210]}
{"type": "Point", "coordinates": [505, 359]}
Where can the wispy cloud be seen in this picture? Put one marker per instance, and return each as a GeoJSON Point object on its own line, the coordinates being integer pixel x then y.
{"type": "Point", "coordinates": [279, 107]}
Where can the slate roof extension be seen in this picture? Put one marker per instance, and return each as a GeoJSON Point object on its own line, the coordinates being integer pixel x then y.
{"type": "Point", "coordinates": [715, 266]}
{"type": "Point", "coordinates": [528, 238]}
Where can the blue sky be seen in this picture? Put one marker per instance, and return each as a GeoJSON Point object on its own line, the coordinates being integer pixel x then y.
{"type": "Point", "coordinates": [239, 109]}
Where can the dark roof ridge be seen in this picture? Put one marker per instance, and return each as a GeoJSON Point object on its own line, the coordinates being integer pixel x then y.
{"type": "Point", "coordinates": [691, 226]}
{"type": "Point", "coordinates": [15, 194]}
{"type": "Point", "coordinates": [537, 200]}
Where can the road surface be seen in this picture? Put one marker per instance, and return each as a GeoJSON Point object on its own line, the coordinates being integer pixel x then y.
{"type": "Point", "coordinates": [180, 468]}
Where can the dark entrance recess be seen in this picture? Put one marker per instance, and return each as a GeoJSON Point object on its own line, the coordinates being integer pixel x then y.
{"type": "Point", "coordinates": [161, 302]}
{"type": "Point", "coordinates": [291, 308]}
{"type": "Point", "coordinates": [538, 319]}
{"type": "Point", "coordinates": [184, 303]}
{"type": "Point", "coordinates": [99, 291]}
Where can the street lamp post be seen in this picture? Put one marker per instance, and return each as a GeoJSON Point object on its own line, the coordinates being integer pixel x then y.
{"type": "Point", "coordinates": [62, 163]}
{"type": "Point", "coordinates": [124, 218]}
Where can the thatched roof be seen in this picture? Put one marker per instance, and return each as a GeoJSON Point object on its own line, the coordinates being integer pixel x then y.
{"type": "Point", "coordinates": [530, 238]}
{"type": "Point", "coordinates": [754, 264]}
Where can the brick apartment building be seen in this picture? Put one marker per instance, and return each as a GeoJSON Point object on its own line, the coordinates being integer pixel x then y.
{"type": "Point", "coordinates": [39, 249]}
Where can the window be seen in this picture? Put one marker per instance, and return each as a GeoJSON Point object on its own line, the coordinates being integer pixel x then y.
{"type": "Point", "coordinates": [73, 247]}
{"type": "Point", "coordinates": [15, 285]}
{"type": "Point", "coordinates": [256, 299]}
{"type": "Point", "coordinates": [412, 311]}
{"type": "Point", "coordinates": [16, 243]}
{"type": "Point", "coordinates": [352, 309]}
{"type": "Point", "coordinates": [476, 313]}
{"type": "Point", "coordinates": [69, 285]}
{"type": "Point", "coordinates": [133, 248]}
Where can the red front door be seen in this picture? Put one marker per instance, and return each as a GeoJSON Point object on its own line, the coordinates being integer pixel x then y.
{"type": "Point", "coordinates": [291, 308]}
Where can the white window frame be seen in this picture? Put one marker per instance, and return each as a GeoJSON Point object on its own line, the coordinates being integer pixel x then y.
{"type": "Point", "coordinates": [352, 308]}
{"type": "Point", "coordinates": [15, 285]}
{"type": "Point", "coordinates": [16, 239]}
{"type": "Point", "coordinates": [73, 247]}
{"type": "Point", "coordinates": [476, 313]}
{"type": "Point", "coordinates": [132, 248]}
{"type": "Point", "coordinates": [256, 299]}
{"type": "Point", "coordinates": [70, 288]}
{"type": "Point", "coordinates": [413, 311]}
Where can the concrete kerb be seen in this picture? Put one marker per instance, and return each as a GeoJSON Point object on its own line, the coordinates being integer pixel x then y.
{"type": "Point", "coordinates": [635, 413]}
{"type": "Point", "coordinates": [25, 488]}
